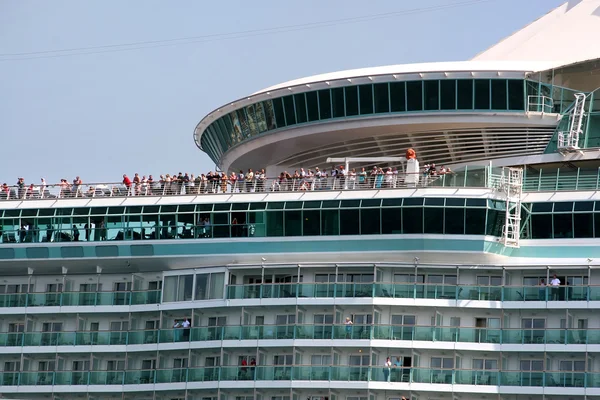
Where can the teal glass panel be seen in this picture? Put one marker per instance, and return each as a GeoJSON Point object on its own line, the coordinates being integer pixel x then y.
{"type": "Point", "coordinates": [366, 99]}
{"type": "Point", "coordinates": [261, 121]}
{"type": "Point", "coordinates": [432, 94]}
{"type": "Point", "coordinates": [293, 223]}
{"type": "Point", "coordinates": [499, 94]}
{"type": "Point", "coordinates": [290, 112]}
{"type": "Point", "coordinates": [370, 221]}
{"type": "Point", "coordinates": [311, 223]}
{"type": "Point", "coordinates": [391, 220]}
{"type": "Point", "coordinates": [482, 94]}
{"type": "Point", "coordinates": [448, 94]}
{"type": "Point", "coordinates": [412, 220]}
{"type": "Point", "coordinates": [300, 102]}
{"type": "Point", "coordinates": [382, 100]}
{"type": "Point", "coordinates": [269, 115]}
{"type": "Point", "coordinates": [275, 223]}
{"type": "Point", "coordinates": [351, 93]}
{"type": "Point", "coordinates": [337, 100]}
{"type": "Point", "coordinates": [312, 106]}
{"type": "Point", "coordinates": [454, 221]}
{"type": "Point", "coordinates": [414, 96]}
{"type": "Point", "coordinates": [475, 221]}
{"type": "Point", "coordinates": [349, 222]}
{"type": "Point", "coordinates": [562, 226]}
{"type": "Point", "coordinates": [583, 225]}
{"type": "Point", "coordinates": [398, 96]}
{"type": "Point", "coordinates": [325, 104]}
{"type": "Point", "coordinates": [464, 94]}
{"type": "Point", "coordinates": [279, 112]}
{"type": "Point", "coordinates": [330, 222]}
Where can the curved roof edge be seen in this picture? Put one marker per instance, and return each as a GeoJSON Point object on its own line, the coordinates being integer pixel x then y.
{"type": "Point", "coordinates": [439, 67]}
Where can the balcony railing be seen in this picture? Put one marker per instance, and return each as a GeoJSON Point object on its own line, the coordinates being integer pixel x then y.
{"type": "Point", "coordinates": [60, 299]}
{"type": "Point", "coordinates": [306, 373]}
{"type": "Point", "coordinates": [455, 334]}
{"type": "Point", "coordinates": [414, 291]}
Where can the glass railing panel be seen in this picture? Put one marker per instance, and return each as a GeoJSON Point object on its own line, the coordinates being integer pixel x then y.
{"type": "Point", "coordinates": [140, 377]}
{"type": "Point", "coordinates": [594, 293]}
{"type": "Point", "coordinates": [486, 293]}
{"type": "Point", "coordinates": [275, 372]}
{"type": "Point", "coordinates": [592, 379]}
{"type": "Point", "coordinates": [565, 379]}
{"type": "Point", "coordinates": [422, 375]}
{"type": "Point", "coordinates": [396, 290]}
{"type": "Point", "coordinates": [237, 373]}
{"type": "Point", "coordinates": [146, 297]}
{"type": "Point", "coordinates": [476, 377]}
{"type": "Point", "coordinates": [324, 290]}
{"type": "Point", "coordinates": [36, 379]}
{"type": "Point", "coordinates": [351, 373]}
{"type": "Point", "coordinates": [174, 335]}
{"type": "Point", "coordinates": [556, 336]}
{"type": "Point", "coordinates": [13, 300]}
{"type": "Point", "coordinates": [72, 378]}
{"type": "Point", "coordinates": [232, 332]}
{"type": "Point", "coordinates": [12, 339]}
{"type": "Point", "coordinates": [311, 373]}
{"type": "Point", "coordinates": [313, 332]}
{"type": "Point", "coordinates": [526, 293]}
{"type": "Point", "coordinates": [592, 336]}
{"type": "Point", "coordinates": [10, 378]}
{"type": "Point", "coordinates": [171, 375]}
{"type": "Point", "coordinates": [445, 292]}
{"type": "Point", "coordinates": [142, 337]}
{"type": "Point", "coordinates": [354, 289]}
{"type": "Point", "coordinates": [204, 374]}
{"type": "Point", "coordinates": [424, 333]}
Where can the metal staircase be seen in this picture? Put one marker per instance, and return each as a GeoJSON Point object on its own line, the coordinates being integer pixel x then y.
{"type": "Point", "coordinates": [569, 140]}
{"type": "Point", "coordinates": [511, 184]}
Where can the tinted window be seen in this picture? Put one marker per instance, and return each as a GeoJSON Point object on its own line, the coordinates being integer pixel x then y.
{"type": "Point", "coordinates": [499, 94]}
{"type": "Point", "coordinates": [300, 108]}
{"type": "Point", "coordinates": [432, 95]}
{"type": "Point", "coordinates": [312, 105]}
{"type": "Point", "coordinates": [563, 225]}
{"type": "Point", "coordinates": [351, 100]}
{"type": "Point", "coordinates": [454, 221]}
{"type": "Point", "coordinates": [337, 97]}
{"type": "Point", "coordinates": [397, 96]}
{"type": "Point", "coordinates": [434, 220]}
{"type": "Point", "coordinates": [515, 95]}
{"type": "Point", "coordinates": [349, 222]}
{"type": "Point", "coordinates": [370, 221]}
{"type": "Point", "coordinates": [448, 94]}
{"type": "Point", "coordinates": [482, 94]}
{"type": "Point", "coordinates": [541, 226]}
{"type": "Point", "coordinates": [412, 219]}
{"type": "Point", "coordinates": [279, 115]}
{"type": "Point", "coordinates": [290, 113]}
{"type": "Point", "coordinates": [391, 220]}
{"type": "Point", "coordinates": [414, 96]}
{"type": "Point", "coordinates": [311, 223]}
{"type": "Point", "coordinates": [382, 102]}
{"type": "Point", "coordinates": [583, 225]}
{"type": "Point", "coordinates": [475, 221]}
{"type": "Point", "coordinates": [366, 99]}
{"type": "Point", "coordinates": [465, 94]}
{"type": "Point", "coordinates": [325, 104]}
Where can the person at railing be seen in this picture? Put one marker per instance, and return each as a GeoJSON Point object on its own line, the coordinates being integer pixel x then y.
{"type": "Point", "coordinates": [387, 366]}
{"type": "Point", "coordinates": [76, 187]}
{"type": "Point", "coordinates": [555, 285]}
{"type": "Point", "coordinates": [127, 183]}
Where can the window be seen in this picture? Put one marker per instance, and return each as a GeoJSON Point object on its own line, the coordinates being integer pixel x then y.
{"type": "Point", "coordinates": [482, 94]}
{"type": "Point", "coordinates": [391, 220]}
{"type": "Point", "coordinates": [300, 102]}
{"type": "Point", "coordinates": [290, 113]}
{"type": "Point", "coordinates": [515, 95]}
{"type": "Point", "coordinates": [465, 94]}
{"type": "Point", "coordinates": [370, 221]}
{"type": "Point", "coordinates": [351, 100]}
{"type": "Point", "coordinates": [442, 362]}
{"type": "Point", "coordinates": [434, 220]}
{"type": "Point", "coordinates": [398, 96]}
{"type": "Point", "coordinates": [337, 99]}
{"type": "Point", "coordinates": [366, 99]}
{"type": "Point", "coordinates": [483, 364]}
{"type": "Point", "coordinates": [499, 94]}
{"type": "Point", "coordinates": [311, 222]}
{"type": "Point", "coordinates": [324, 104]}
{"type": "Point", "coordinates": [318, 359]}
{"type": "Point", "coordinates": [312, 105]}
{"type": "Point", "coordinates": [432, 95]}
{"type": "Point", "coordinates": [349, 222]}
{"type": "Point", "coordinates": [563, 226]}
{"type": "Point", "coordinates": [178, 288]}
{"type": "Point", "coordinates": [279, 113]}
{"type": "Point", "coordinates": [454, 221]}
{"type": "Point", "coordinates": [412, 220]}
{"type": "Point", "coordinates": [382, 103]}
{"type": "Point", "coordinates": [448, 94]}
{"type": "Point", "coordinates": [414, 96]}
{"type": "Point", "coordinates": [210, 286]}
{"type": "Point", "coordinates": [541, 226]}
{"type": "Point", "coordinates": [293, 223]}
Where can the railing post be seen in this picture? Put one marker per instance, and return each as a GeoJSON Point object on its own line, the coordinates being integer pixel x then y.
{"type": "Point", "coordinates": [540, 180]}
{"type": "Point", "coordinates": [557, 178]}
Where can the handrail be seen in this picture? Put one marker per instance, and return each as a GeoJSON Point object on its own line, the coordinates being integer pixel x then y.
{"type": "Point", "coordinates": [277, 184]}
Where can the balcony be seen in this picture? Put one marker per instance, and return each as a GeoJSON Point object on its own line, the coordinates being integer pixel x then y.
{"type": "Point", "coordinates": [413, 291]}
{"type": "Point", "coordinates": [307, 373]}
{"type": "Point", "coordinates": [553, 336]}
{"type": "Point", "coordinates": [62, 299]}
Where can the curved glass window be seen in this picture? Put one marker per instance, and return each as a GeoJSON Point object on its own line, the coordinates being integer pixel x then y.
{"type": "Point", "coordinates": [367, 99]}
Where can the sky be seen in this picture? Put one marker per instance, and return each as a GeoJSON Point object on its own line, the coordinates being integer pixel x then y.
{"type": "Point", "coordinates": [107, 109]}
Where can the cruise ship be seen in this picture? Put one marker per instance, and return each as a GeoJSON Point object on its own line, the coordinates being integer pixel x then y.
{"type": "Point", "coordinates": [478, 280]}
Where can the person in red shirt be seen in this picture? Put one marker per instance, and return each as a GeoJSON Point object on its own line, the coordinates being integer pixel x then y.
{"type": "Point", "coordinates": [127, 183]}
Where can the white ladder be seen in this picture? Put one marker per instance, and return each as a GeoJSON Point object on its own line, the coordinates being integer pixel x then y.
{"type": "Point", "coordinates": [570, 140]}
{"type": "Point", "coordinates": [511, 184]}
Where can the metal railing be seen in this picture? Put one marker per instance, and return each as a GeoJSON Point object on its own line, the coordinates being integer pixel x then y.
{"type": "Point", "coordinates": [112, 189]}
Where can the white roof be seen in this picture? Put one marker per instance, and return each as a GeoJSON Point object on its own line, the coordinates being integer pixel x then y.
{"type": "Point", "coordinates": [422, 68]}
{"type": "Point", "coordinates": [569, 34]}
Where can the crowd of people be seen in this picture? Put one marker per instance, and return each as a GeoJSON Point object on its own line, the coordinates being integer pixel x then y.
{"type": "Point", "coordinates": [220, 182]}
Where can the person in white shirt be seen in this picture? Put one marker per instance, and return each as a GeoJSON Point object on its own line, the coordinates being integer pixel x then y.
{"type": "Point", "coordinates": [387, 365]}
{"type": "Point", "coordinates": [555, 285]}
{"type": "Point", "coordinates": [186, 329]}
